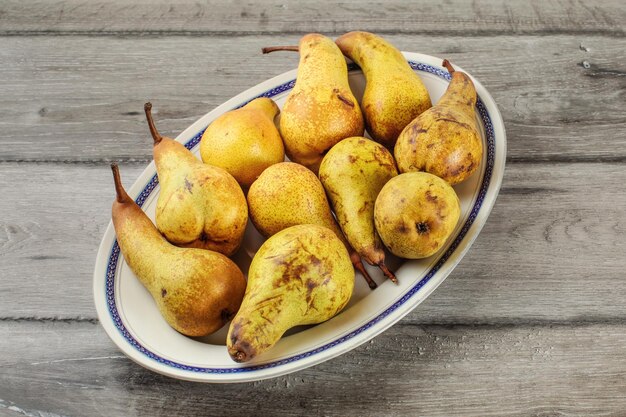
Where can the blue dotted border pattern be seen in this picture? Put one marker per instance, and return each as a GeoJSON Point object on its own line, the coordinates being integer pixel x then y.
{"type": "Point", "coordinates": [115, 251]}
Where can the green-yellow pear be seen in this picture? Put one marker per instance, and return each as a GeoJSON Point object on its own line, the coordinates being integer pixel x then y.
{"type": "Point", "coordinates": [321, 109]}
{"type": "Point", "coordinates": [199, 205]}
{"type": "Point", "coordinates": [353, 173]}
{"type": "Point", "coordinates": [444, 140]}
{"type": "Point", "coordinates": [394, 94]}
{"type": "Point", "coordinates": [244, 141]}
{"type": "Point", "coordinates": [301, 275]}
{"type": "Point", "coordinates": [415, 214]}
{"type": "Point", "coordinates": [197, 291]}
{"type": "Point", "coordinates": [288, 194]}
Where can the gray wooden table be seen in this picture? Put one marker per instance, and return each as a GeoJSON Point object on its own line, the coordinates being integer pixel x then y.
{"type": "Point", "coordinates": [532, 321]}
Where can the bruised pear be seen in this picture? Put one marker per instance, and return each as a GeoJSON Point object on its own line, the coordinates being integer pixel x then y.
{"type": "Point", "coordinates": [353, 173]}
{"type": "Point", "coordinates": [445, 139]}
{"type": "Point", "coordinates": [415, 214]}
{"type": "Point", "coordinates": [301, 275]}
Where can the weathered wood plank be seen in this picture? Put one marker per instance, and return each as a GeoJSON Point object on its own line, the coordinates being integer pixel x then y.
{"type": "Point", "coordinates": [552, 250]}
{"type": "Point", "coordinates": [279, 16]}
{"type": "Point", "coordinates": [73, 369]}
{"type": "Point", "coordinates": [80, 99]}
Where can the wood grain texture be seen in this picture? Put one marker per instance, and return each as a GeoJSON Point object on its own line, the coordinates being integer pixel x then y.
{"type": "Point", "coordinates": [408, 370]}
{"type": "Point", "coordinates": [486, 17]}
{"type": "Point", "coordinates": [81, 99]}
{"type": "Point", "coordinates": [552, 249]}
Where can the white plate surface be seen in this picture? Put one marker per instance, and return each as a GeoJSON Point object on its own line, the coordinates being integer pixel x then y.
{"type": "Point", "coordinates": [131, 319]}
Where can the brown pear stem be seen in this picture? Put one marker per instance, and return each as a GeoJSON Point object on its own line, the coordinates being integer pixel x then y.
{"type": "Point", "coordinates": [358, 265]}
{"type": "Point", "coordinates": [269, 49]}
{"type": "Point", "coordinates": [388, 273]}
{"type": "Point", "coordinates": [153, 130]}
{"type": "Point", "coordinates": [448, 66]}
{"type": "Point", "coordinates": [122, 196]}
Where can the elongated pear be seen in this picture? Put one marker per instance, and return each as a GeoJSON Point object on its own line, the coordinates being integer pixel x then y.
{"type": "Point", "coordinates": [197, 291]}
{"type": "Point", "coordinates": [244, 141]}
{"type": "Point", "coordinates": [445, 139]}
{"type": "Point", "coordinates": [321, 109]}
{"type": "Point", "coordinates": [288, 194]}
{"type": "Point", "coordinates": [301, 275]}
{"type": "Point", "coordinates": [394, 94]}
{"type": "Point", "coordinates": [353, 173]}
{"type": "Point", "coordinates": [199, 205]}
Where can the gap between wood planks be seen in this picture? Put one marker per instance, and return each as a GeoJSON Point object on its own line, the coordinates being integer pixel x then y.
{"type": "Point", "coordinates": [616, 33]}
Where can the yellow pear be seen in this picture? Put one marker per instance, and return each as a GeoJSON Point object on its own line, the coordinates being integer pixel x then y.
{"type": "Point", "coordinates": [394, 94]}
{"type": "Point", "coordinates": [288, 194]}
{"type": "Point", "coordinates": [197, 291]}
{"type": "Point", "coordinates": [415, 214]}
{"type": "Point", "coordinates": [353, 173]}
{"type": "Point", "coordinates": [321, 109]}
{"type": "Point", "coordinates": [444, 140]}
{"type": "Point", "coordinates": [301, 275]}
{"type": "Point", "coordinates": [199, 205]}
{"type": "Point", "coordinates": [244, 141]}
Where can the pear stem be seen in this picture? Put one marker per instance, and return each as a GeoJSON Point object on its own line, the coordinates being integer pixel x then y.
{"type": "Point", "coordinates": [448, 66]}
{"type": "Point", "coordinates": [358, 265]}
{"type": "Point", "coordinates": [388, 273]}
{"type": "Point", "coordinates": [153, 130]}
{"type": "Point", "coordinates": [121, 194]}
{"type": "Point", "coordinates": [269, 49]}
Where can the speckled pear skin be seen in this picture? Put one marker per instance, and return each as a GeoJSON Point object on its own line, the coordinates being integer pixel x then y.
{"type": "Point", "coordinates": [353, 173]}
{"type": "Point", "coordinates": [244, 141]}
{"type": "Point", "coordinates": [288, 194]}
{"type": "Point", "coordinates": [321, 109]}
{"type": "Point", "coordinates": [301, 275]}
{"type": "Point", "coordinates": [394, 94]}
{"type": "Point", "coordinates": [415, 214]}
{"type": "Point", "coordinates": [197, 291]}
{"type": "Point", "coordinates": [199, 205]}
{"type": "Point", "coordinates": [445, 139]}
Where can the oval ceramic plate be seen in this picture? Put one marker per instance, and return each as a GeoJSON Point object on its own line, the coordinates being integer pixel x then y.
{"type": "Point", "coordinates": [130, 317]}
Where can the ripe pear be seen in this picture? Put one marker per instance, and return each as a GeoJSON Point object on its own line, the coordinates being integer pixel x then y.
{"type": "Point", "coordinates": [199, 205]}
{"type": "Point", "coordinates": [353, 172]}
{"type": "Point", "coordinates": [197, 291]}
{"type": "Point", "coordinates": [321, 109]}
{"type": "Point", "coordinates": [444, 140]}
{"type": "Point", "coordinates": [244, 141]}
{"type": "Point", "coordinates": [415, 214]}
{"type": "Point", "coordinates": [301, 275]}
{"type": "Point", "coordinates": [288, 194]}
{"type": "Point", "coordinates": [394, 94]}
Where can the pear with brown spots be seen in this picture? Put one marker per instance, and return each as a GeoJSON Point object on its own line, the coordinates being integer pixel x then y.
{"type": "Point", "coordinates": [394, 94]}
{"type": "Point", "coordinates": [353, 173]}
{"type": "Point", "coordinates": [321, 109]}
{"type": "Point", "coordinates": [301, 275]}
{"type": "Point", "coordinates": [445, 139]}
{"type": "Point", "coordinates": [415, 214]}
{"type": "Point", "coordinates": [288, 194]}
{"type": "Point", "coordinates": [196, 291]}
{"type": "Point", "coordinates": [244, 141]}
{"type": "Point", "coordinates": [199, 205]}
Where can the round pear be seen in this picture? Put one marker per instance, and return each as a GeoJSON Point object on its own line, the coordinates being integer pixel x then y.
{"type": "Point", "coordinates": [415, 214]}
{"type": "Point", "coordinates": [244, 141]}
